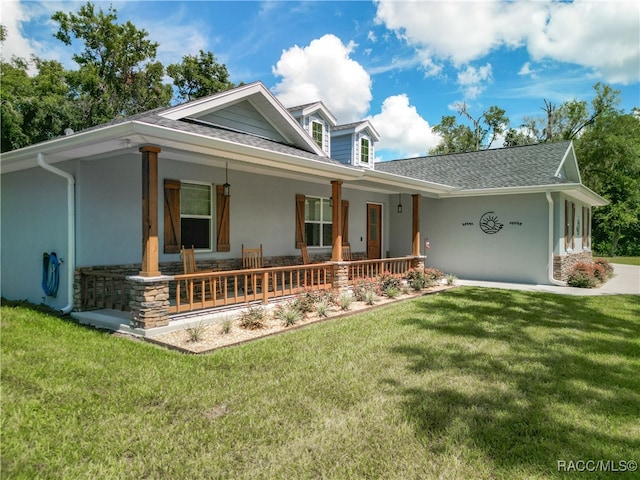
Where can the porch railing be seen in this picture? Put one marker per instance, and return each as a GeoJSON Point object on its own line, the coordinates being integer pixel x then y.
{"type": "Point", "coordinates": [228, 287]}
{"type": "Point", "coordinates": [203, 290]}
{"type": "Point", "coordinates": [104, 290]}
{"type": "Point", "coordinates": [361, 269]}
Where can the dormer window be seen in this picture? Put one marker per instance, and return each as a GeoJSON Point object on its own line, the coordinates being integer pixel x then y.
{"type": "Point", "coordinates": [364, 150]}
{"type": "Point", "coordinates": [317, 132]}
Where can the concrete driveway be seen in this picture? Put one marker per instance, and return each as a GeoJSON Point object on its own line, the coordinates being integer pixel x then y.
{"type": "Point", "coordinates": [626, 281]}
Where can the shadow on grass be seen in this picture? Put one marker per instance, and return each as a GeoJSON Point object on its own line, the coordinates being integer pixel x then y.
{"type": "Point", "coordinates": [530, 378]}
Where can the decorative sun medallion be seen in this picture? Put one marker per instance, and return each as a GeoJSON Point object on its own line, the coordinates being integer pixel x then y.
{"type": "Point", "coordinates": [489, 223]}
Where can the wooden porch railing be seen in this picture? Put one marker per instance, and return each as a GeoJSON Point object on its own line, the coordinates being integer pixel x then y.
{"type": "Point", "coordinates": [104, 290]}
{"type": "Point", "coordinates": [361, 269]}
{"type": "Point", "coordinates": [202, 290]}
{"type": "Point", "coordinates": [228, 287]}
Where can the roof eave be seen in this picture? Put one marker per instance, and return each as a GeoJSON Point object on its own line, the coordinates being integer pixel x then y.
{"type": "Point", "coordinates": [575, 190]}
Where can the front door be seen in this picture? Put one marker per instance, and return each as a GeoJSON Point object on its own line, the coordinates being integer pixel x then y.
{"type": "Point", "coordinates": [374, 231]}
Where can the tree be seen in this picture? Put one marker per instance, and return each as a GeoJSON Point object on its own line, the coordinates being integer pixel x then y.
{"type": "Point", "coordinates": [462, 138]}
{"type": "Point", "coordinates": [568, 121]}
{"type": "Point", "coordinates": [118, 74]}
{"type": "Point", "coordinates": [609, 156]}
{"type": "Point", "coordinates": [199, 76]}
{"type": "Point", "coordinates": [34, 108]}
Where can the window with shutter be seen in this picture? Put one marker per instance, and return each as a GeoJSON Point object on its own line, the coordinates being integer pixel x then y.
{"type": "Point", "coordinates": [172, 240]}
{"type": "Point", "coordinates": [314, 221]}
{"type": "Point", "coordinates": [188, 216]}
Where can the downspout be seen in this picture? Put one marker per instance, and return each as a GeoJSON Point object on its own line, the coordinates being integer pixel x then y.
{"type": "Point", "coordinates": [71, 220]}
{"type": "Point", "coordinates": [552, 280]}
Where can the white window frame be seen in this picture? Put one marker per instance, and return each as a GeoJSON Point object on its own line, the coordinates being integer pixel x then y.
{"type": "Point", "coordinates": [321, 220]}
{"type": "Point", "coordinates": [368, 140]}
{"type": "Point", "coordinates": [313, 123]}
{"type": "Point", "coordinates": [209, 217]}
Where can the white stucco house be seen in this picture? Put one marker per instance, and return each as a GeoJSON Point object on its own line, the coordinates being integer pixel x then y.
{"type": "Point", "coordinates": [239, 169]}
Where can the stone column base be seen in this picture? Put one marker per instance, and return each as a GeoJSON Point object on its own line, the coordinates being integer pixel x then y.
{"type": "Point", "coordinates": [418, 261]}
{"type": "Point", "coordinates": [340, 278]}
{"type": "Point", "coordinates": [149, 301]}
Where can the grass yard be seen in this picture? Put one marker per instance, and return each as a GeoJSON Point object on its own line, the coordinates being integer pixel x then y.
{"type": "Point", "coordinates": [624, 260]}
{"type": "Point", "coordinates": [471, 383]}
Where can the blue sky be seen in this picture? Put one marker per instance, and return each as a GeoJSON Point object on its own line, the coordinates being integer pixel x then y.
{"type": "Point", "coordinates": [403, 65]}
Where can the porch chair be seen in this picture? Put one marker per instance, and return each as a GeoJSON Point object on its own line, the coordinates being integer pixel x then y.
{"type": "Point", "coordinates": [252, 258]}
{"type": "Point", "coordinates": [189, 266]}
{"type": "Point", "coordinates": [346, 252]}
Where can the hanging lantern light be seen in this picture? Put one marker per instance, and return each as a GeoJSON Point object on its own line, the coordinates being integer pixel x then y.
{"type": "Point", "coordinates": [226, 188]}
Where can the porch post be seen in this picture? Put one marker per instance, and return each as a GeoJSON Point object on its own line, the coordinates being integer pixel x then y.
{"type": "Point", "coordinates": [415, 247]}
{"type": "Point", "coordinates": [149, 211]}
{"type": "Point", "coordinates": [336, 221]}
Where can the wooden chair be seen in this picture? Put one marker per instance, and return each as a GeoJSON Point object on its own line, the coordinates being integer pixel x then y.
{"type": "Point", "coordinates": [346, 252]}
{"type": "Point", "coordinates": [252, 258]}
{"type": "Point", "coordinates": [189, 266]}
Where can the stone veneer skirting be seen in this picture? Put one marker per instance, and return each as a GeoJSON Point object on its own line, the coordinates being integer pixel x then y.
{"type": "Point", "coordinates": [176, 268]}
{"type": "Point", "coordinates": [563, 264]}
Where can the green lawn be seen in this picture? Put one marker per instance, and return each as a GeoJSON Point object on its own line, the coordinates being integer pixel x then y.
{"type": "Point", "coordinates": [471, 383]}
{"type": "Point", "coordinates": [624, 260]}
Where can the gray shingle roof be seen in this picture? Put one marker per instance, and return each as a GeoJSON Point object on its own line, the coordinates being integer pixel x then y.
{"type": "Point", "coordinates": [234, 136]}
{"type": "Point", "coordinates": [530, 165]}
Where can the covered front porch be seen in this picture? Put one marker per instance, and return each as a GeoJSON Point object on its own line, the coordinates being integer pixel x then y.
{"type": "Point", "coordinates": [153, 294]}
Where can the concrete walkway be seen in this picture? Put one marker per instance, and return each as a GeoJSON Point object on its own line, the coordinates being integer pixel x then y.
{"type": "Point", "coordinates": [626, 281]}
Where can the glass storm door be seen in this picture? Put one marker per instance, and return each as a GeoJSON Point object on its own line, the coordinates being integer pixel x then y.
{"type": "Point", "coordinates": [374, 231]}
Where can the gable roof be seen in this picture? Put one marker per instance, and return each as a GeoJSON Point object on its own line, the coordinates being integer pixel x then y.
{"type": "Point", "coordinates": [309, 108]}
{"type": "Point", "coordinates": [356, 127]}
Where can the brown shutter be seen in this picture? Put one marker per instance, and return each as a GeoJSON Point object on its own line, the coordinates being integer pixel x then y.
{"type": "Point", "coordinates": [171, 216]}
{"type": "Point", "coordinates": [300, 200]}
{"type": "Point", "coordinates": [345, 222]}
{"type": "Point", "coordinates": [223, 243]}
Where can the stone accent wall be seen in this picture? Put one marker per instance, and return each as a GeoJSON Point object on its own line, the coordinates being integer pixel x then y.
{"type": "Point", "coordinates": [149, 302]}
{"type": "Point", "coordinates": [563, 264]}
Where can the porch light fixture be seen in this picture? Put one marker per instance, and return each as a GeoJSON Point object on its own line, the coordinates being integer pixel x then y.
{"type": "Point", "coordinates": [399, 203]}
{"type": "Point", "coordinates": [226, 188]}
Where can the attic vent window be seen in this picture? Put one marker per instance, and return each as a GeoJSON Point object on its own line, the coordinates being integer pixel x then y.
{"type": "Point", "coordinates": [317, 133]}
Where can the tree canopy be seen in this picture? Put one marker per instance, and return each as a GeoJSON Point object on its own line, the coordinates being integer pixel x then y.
{"type": "Point", "coordinates": [117, 75]}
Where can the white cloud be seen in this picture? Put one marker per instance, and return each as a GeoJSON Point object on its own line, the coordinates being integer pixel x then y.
{"type": "Point", "coordinates": [402, 130]}
{"type": "Point", "coordinates": [323, 70]}
{"type": "Point", "coordinates": [526, 70]}
{"type": "Point", "coordinates": [471, 79]}
{"type": "Point", "coordinates": [13, 14]}
{"type": "Point", "coordinates": [602, 35]}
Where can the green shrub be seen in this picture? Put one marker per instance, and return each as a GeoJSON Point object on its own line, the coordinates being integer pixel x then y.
{"type": "Point", "coordinates": [253, 318]}
{"type": "Point", "coordinates": [581, 280]}
{"type": "Point", "coordinates": [387, 280]}
{"type": "Point", "coordinates": [226, 326]}
{"type": "Point", "coordinates": [345, 301]}
{"type": "Point", "coordinates": [606, 267]}
{"type": "Point", "coordinates": [370, 297]}
{"type": "Point", "coordinates": [432, 276]}
{"type": "Point", "coordinates": [322, 307]}
{"type": "Point", "coordinates": [451, 279]}
{"type": "Point", "coordinates": [416, 278]}
{"type": "Point", "coordinates": [288, 313]}
{"type": "Point", "coordinates": [391, 292]}
{"type": "Point", "coordinates": [363, 286]}
{"type": "Point", "coordinates": [195, 332]}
